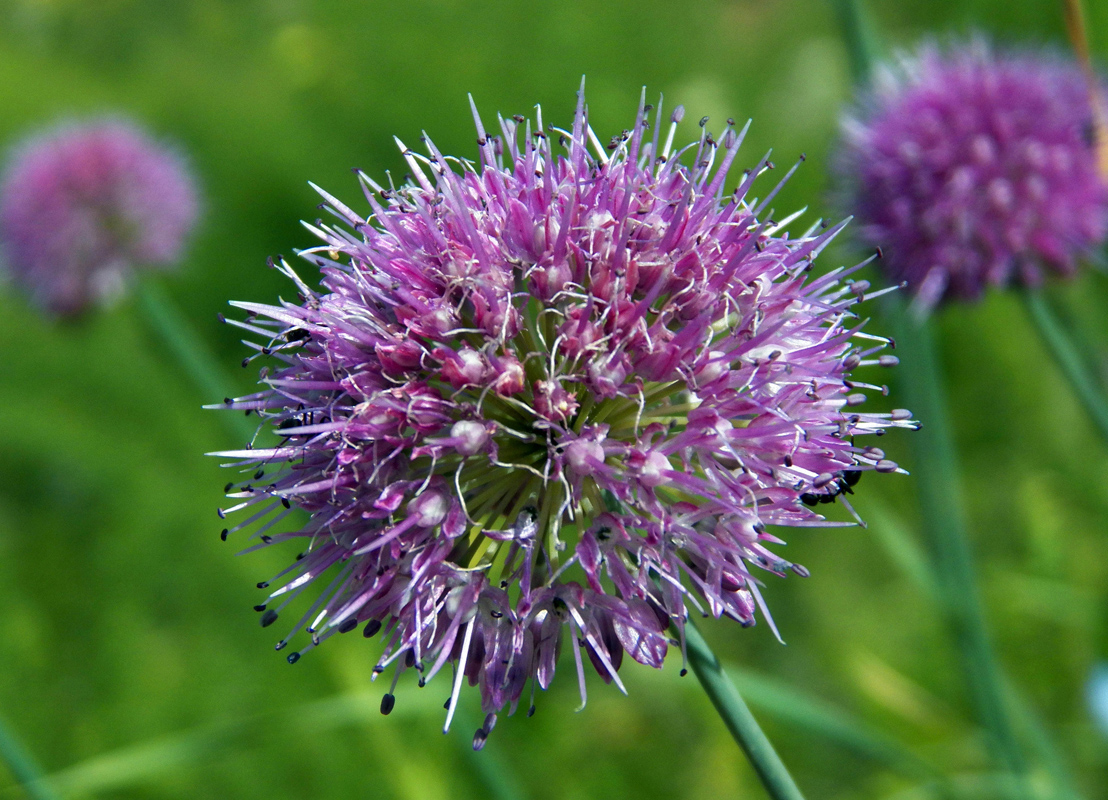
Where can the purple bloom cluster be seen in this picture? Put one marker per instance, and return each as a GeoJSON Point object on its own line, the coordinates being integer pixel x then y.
{"type": "Point", "coordinates": [551, 394]}
{"type": "Point", "coordinates": [971, 169]}
{"type": "Point", "coordinates": [82, 205]}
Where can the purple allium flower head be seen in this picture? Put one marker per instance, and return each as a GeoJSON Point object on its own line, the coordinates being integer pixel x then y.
{"type": "Point", "coordinates": [550, 401]}
{"type": "Point", "coordinates": [83, 205]}
{"type": "Point", "coordinates": [970, 168]}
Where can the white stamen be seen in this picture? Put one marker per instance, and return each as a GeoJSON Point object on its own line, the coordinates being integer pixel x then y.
{"type": "Point", "coordinates": [459, 675]}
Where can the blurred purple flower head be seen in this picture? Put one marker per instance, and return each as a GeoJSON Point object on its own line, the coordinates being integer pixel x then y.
{"type": "Point", "coordinates": [551, 400]}
{"type": "Point", "coordinates": [970, 168]}
{"type": "Point", "coordinates": [83, 205]}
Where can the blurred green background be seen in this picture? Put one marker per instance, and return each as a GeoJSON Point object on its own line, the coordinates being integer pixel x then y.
{"type": "Point", "coordinates": [130, 661]}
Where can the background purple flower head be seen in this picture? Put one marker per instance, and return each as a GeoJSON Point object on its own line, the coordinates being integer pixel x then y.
{"type": "Point", "coordinates": [550, 400]}
{"type": "Point", "coordinates": [971, 168]}
{"type": "Point", "coordinates": [84, 204]}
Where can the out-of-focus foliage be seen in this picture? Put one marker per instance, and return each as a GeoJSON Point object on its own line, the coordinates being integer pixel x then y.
{"type": "Point", "coordinates": [132, 664]}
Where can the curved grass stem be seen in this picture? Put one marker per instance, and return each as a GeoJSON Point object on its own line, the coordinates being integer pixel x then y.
{"type": "Point", "coordinates": [1069, 358]}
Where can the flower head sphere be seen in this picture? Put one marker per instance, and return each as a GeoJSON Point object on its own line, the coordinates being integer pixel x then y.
{"type": "Point", "coordinates": [971, 169]}
{"type": "Point", "coordinates": [83, 205]}
{"type": "Point", "coordinates": [550, 393]}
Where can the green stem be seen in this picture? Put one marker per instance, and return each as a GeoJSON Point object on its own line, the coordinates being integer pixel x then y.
{"type": "Point", "coordinates": [191, 352]}
{"type": "Point", "coordinates": [26, 771]}
{"type": "Point", "coordinates": [738, 719]}
{"type": "Point", "coordinates": [861, 39]}
{"type": "Point", "coordinates": [1069, 359]}
{"type": "Point", "coordinates": [943, 518]}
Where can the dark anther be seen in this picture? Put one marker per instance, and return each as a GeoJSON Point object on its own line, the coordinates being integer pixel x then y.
{"type": "Point", "coordinates": [263, 585]}
{"type": "Point", "coordinates": [371, 628]}
{"type": "Point", "coordinates": [731, 121]}
{"type": "Point", "coordinates": [293, 658]}
{"type": "Point", "coordinates": [409, 659]}
{"type": "Point", "coordinates": [519, 118]}
{"type": "Point", "coordinates": [378, 669]}
{"type": "Point", "coordinates": [852, 477]}
{"type": "Point", "coordinates": [245, 362]}
{"type": "Point", "coordinates": [228, 400]}
{"type": "Point", "coordinates": [446, 705]}
{"type": "Point", "coordinates": [479, 738]}
{"type": "Point", "coordinates": [285, 502]}
{"type": "Point", "coordinates": [703, 121]}
{"type": "Point", "coordinates": [496, 614]}
{"type": "Point", "coordinates": [683, 672]}
{"type": "Point", "coordinates": [223, 534]}
{"type": "Point", "coordinates": [260, 607]}
{"type": "Point", "coordinates": [258, 475]}
{"type": "Point", "coordinates": [268, 618]}
{"type": "Point", "coordinates": [421, 682]}
{"type": "Point", "coordinates": [266, 539]}
{"type": "Point", "coordinates": [880, 253]}
{"type": "Point", "coordinates": [221, 513]}
{"type": "Point", "coordinates": [228, 487]}
{"type": "Point", "coordinates": [387, 703]}
{"type": "Point", "coordinates": [221, 318]}
{"type": "Point", "coordinates": [348, 625]}
{"type": "Point", "coordinates": [531, 710]}
{"type": "Point", "coordinates": [809, 499]}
